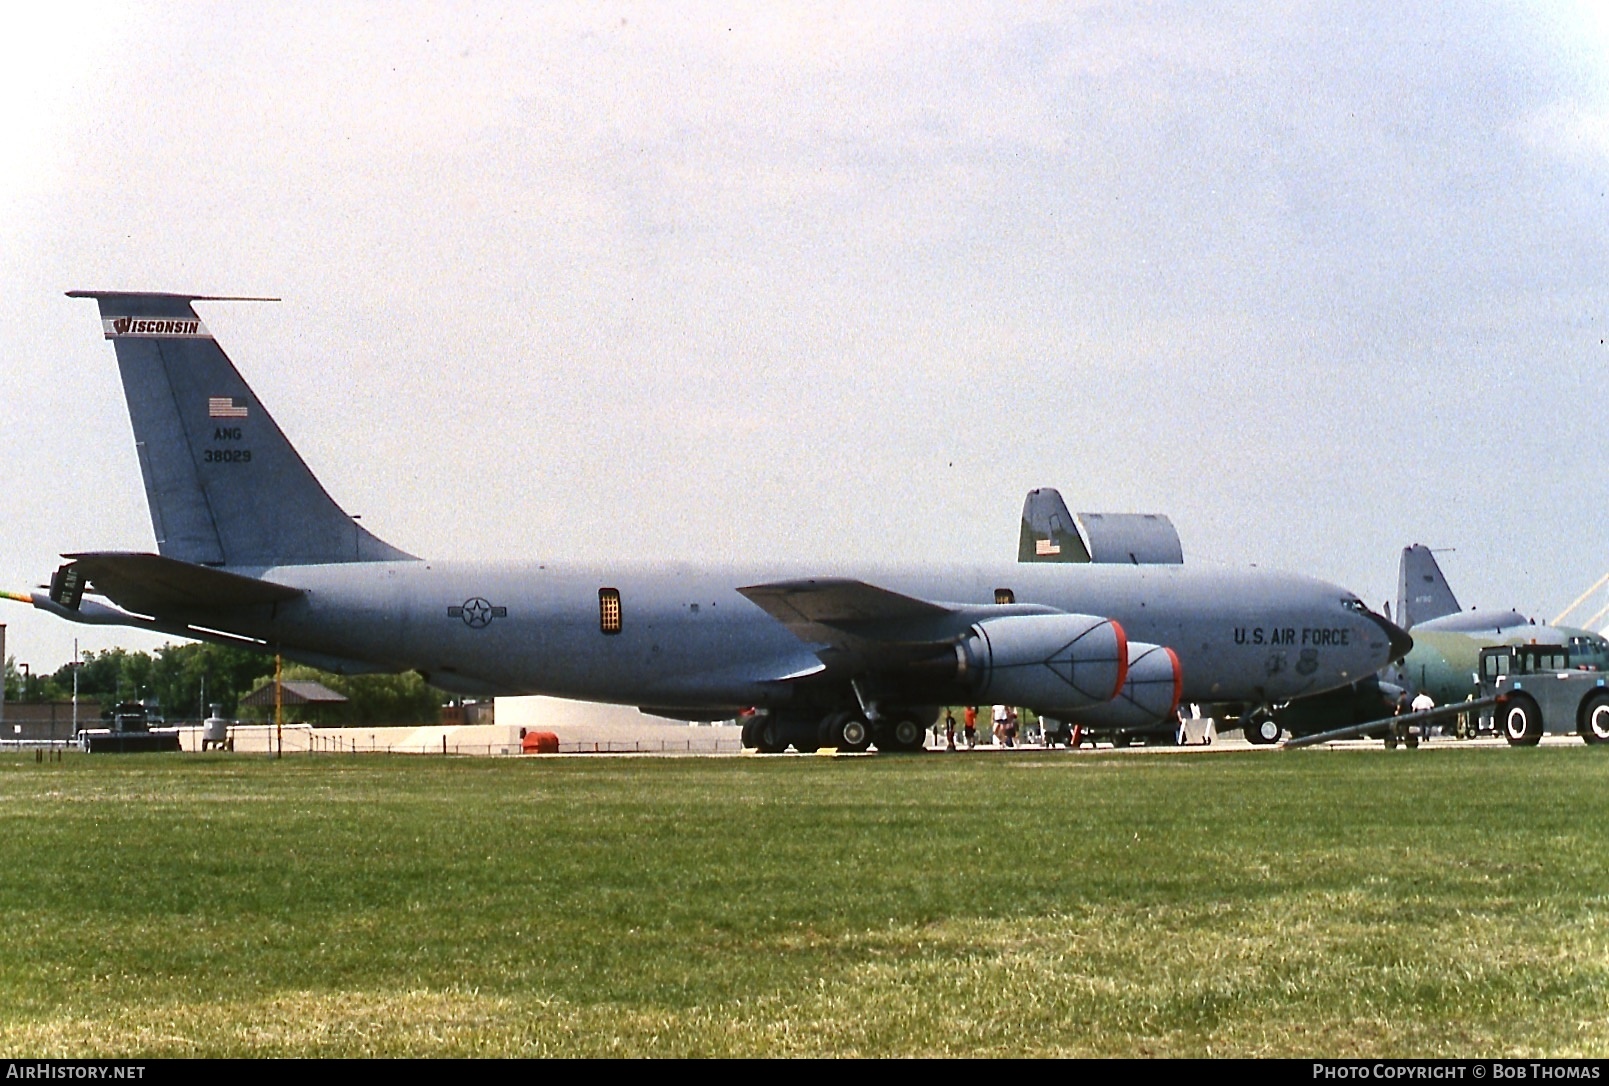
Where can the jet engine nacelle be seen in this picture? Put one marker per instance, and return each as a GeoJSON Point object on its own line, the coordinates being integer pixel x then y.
{"type": "Point", "coordinates": [1047, 663]}
{"type": "Point", "coordinates": [1149, 696]}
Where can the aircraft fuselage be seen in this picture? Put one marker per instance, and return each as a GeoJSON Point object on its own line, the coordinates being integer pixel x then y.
{"type": "Point", "coordinates": [688, 638]}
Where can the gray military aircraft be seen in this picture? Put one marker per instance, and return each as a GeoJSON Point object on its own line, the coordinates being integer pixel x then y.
{"type": "Point", "coordinates": [251, 549]}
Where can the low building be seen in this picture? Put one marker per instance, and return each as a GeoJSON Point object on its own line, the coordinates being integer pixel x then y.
{"type": "Point", "coordinates": [45, 720]}
{"type": "Point", "coordinates": [299, 699]}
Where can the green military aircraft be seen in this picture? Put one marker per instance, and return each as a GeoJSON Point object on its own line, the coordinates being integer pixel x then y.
{"type": "Point", "coordinates": [1443, 662]}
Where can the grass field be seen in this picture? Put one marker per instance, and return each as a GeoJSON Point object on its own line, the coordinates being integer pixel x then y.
{"type": "Point", "coordinates": [1448, 902]}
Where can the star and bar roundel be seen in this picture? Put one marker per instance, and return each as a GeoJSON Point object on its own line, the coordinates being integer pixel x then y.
{"type": "Point", "coordinates": [477, 612]}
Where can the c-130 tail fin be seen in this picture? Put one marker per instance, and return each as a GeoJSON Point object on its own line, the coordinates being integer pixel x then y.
{"type": "Point", "coordinates": [224, 486]}
{"type": "Point", "coordinates": [1423, 594]}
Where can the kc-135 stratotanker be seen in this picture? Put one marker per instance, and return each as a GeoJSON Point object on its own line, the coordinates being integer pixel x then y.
{"type": "Point", "coordinates": [250, 549]}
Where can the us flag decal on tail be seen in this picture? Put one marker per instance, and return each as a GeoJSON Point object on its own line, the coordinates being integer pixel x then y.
{"type": "Point", "coordinates": [226, 407]}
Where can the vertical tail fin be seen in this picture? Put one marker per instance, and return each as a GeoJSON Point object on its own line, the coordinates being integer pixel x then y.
{"type": "Point", "coordinates": [1048, 531]}
{"type": "Point", "coordinates": [1422, 591]}
{"type": "Point", "coordinates": [224, 486]}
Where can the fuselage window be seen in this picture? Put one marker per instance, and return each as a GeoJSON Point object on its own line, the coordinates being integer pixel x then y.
{"type": "Point", "coordinates": [1004, 596]}
{"type": "Point", "coordinates": [609, 610]}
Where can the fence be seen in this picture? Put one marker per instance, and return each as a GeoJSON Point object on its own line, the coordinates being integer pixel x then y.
{"type": "Point", "coordinates": [295, 739]}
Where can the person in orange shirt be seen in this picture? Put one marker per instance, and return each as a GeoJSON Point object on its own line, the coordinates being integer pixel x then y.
{"type": "Point", "coordinates": [970, 725]}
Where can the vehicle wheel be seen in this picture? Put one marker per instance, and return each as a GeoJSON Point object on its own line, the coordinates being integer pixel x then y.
{"type": "Point", "coordinates": [1261, 730]}
{"type": "Point", "coordinates": [1391, 740]}
{"type": "Point", "coordinates": [768, 737]}
{"type": "Point", "coordinates": [1522, 722]}
{"type": "Point", "coordinates": [1595, 719]}
{"type": "Point", "coordinates": [751, 734]}
{"type": "Point", "coordinates": [847, 731]}
{"type": "Point", "coordinates": [1411, 741]}
{"type": "Point", "coordinates": [902, 734]}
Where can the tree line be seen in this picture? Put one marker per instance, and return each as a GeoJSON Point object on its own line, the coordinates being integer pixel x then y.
{"type": "Point", "coordinates": [186, 680]}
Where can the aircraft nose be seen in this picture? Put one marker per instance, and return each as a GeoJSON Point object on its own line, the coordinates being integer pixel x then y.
{"type": "Point", "coordinates": [1401, 643]}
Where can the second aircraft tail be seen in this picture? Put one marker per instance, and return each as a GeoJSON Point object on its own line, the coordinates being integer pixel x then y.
{"type": "Point", "coordinates": [1422, 591]}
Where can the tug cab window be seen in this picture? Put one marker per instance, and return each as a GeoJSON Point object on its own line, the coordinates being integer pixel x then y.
{"type": "Point", "coordinates": [1004, 596]}
{"type": "Point", "coordinates": [1494, 662]}
{"type": "Point", "coordinates": [609, 610]}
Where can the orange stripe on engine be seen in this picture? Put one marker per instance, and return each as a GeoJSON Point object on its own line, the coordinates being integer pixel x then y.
{"type": "Point", "coordinates": [1178, 680]}
{"type": "Point", "coordinates": [1122, 658]}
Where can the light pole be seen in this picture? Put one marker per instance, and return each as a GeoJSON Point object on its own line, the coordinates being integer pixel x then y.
{"type": "Point", "coordinates": [24, 695]}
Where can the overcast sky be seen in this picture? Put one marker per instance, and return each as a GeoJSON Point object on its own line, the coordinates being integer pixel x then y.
{"type": "Point", "coordinates": [830, 285]}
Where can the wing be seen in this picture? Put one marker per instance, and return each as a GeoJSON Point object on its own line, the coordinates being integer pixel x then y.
{"type": "Point", "coordinates": [866, 626]}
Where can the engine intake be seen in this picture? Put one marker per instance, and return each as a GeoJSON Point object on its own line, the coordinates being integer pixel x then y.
{"type": "Point", "coordinates": [1149, 696]}
{"type": "Point", "coordinates": [1048, 663]}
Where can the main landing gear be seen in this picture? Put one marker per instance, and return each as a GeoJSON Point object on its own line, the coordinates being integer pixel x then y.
{"type": "Point", "coordinates": [848, 731]}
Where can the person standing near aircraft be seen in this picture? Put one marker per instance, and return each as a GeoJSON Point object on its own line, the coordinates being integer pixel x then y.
{"type": "Point", "coordinates": [970, 721]}
{"type": "Point", "coordinates": [1421, 702]}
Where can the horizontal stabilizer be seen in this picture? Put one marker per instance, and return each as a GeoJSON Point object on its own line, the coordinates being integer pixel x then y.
{"type": "Point", "coordinates": [91, 613]}
{"type": "Point", "coordinates": [1137, 539]}
{"type": "Point", "coordinates": [149, 584]}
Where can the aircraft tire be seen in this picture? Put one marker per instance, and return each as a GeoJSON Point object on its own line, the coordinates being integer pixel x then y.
{"type": "Point", "coordinates": [769, 738]}
{"type": "Point", "coordinates": [904, 734]}
{"type": "Point", "coordinates": [751, 735]}
{"type": "Point", "coordinates": [1595, 719]}
{"type": "Point", "coordinates": [846, 731]}
{"type": "Point", "coordinates": [1522, 722]}
{"type": "Point", "coordinates": [1261, 730]}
